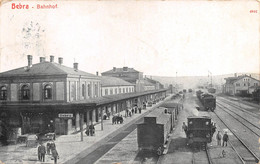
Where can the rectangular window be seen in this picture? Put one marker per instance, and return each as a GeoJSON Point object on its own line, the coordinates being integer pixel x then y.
{"type": "Point", "coordinates": [119, 90]}
{"type": "Point", "coordinates": [106, 91]}
{"type": "Point", "coordinates": [123, 90]}
{"type": "Point", "coordinates": [111, 91]}
{"type": "Point", "coordinates": [126, 90]}
{"type": "Point", "coordinates": [116, 91]}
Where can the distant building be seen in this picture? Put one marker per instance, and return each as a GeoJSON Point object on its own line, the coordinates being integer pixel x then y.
{"type": "Point", "coordinates": [156, 84]}
{"type": "Point", "coordinates": [239, 85]}
{"type": "Point", "coordinates": [113, 85]}
{"type": "Point", "coordinates": [128, 74]}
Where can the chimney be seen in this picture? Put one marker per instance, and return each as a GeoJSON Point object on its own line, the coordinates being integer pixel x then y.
{"type": "Point", "coordinates": [125, 68]}
{"type": "Point", "coordinates": [60, 60]}
{"type": "Point", "coordinates": [42, 59]}
{"type": "Point", "coordinates": [114, 69]}
{"type": "Point", "coordinates": [97, 73]}
{"type": "Point", "coordinates": [75, 65]}
{"type": "Point", "coordinates": [51, 58]}
{"type": "Point", "coordinates": [29, 57]}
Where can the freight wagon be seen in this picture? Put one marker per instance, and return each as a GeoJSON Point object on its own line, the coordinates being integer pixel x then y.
{"type": "Point", "coordinates": [153, 133]}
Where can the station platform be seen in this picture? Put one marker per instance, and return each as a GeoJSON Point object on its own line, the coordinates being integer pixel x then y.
{"type": "Point", "coordinates": [70, 146]}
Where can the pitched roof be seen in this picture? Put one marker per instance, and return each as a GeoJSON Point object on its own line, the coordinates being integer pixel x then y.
{"type": "Point", "coordinates": [119, 70]}
{"type": "Point", "coordinates": [113, 81]}
{"type": "Point", "coordinates": [152, 81]}
{"type": "Point", "coordinates": [147, 83]}
{"type": "Point", "coordinates": [231, 80]}
{"type": "Point", "coordinates": [45, 68]}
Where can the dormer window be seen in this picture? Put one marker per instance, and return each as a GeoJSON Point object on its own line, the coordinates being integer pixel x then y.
{"type": "Point", "coordinates": [47, 92]}
{"type": "Point", "coordinates": [3, 93]}
{"type": "Point", "coordinates": [25, 92]}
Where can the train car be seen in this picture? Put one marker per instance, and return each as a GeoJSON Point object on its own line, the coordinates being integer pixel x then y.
{"type": "Point", "coordinates": [173, 108]}
{"type": "Point", "coordinates": [200, 129]}
{"type": "Point", "coordinates": [153, 132]}
{"type": "Point", "coordinates": [199, 93]}
{"type": "Point", "coordinates": [208, 101]}
{"type": "Point", "coordinates": [212, 90]}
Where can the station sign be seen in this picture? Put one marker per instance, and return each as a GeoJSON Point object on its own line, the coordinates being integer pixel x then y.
{"type": "Point", "coordinates": [65, 115]}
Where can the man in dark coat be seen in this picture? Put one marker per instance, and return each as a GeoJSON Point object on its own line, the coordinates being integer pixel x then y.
{"type": "Point", "coordinates": [41, 152]}
{"type": "Point", "coordinates": [55, 155]}
{"type": "Point", "coordinates": [225, 139]}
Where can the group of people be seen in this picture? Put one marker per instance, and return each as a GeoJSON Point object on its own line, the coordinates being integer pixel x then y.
{"type": "Point", "coordinates": [90, 130]}
{"type": "Point", "coordinates": [130, 112]}
{"type": "Point", "coordinates": [224, 139]}
{"type": "Point", "coordinates": [51, 148]}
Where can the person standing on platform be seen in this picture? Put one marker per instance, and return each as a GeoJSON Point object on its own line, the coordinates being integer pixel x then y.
{"type": "Point", "coordinates": [225, 139]}
{"type": "Point", "coordinates": [41, 152]}
{"type": "Point", "coordinates": [55, 155]}
{"type": "Point", "coordinates": [218, 137]}
{"type": "Point", "coordinates": [184, 128]}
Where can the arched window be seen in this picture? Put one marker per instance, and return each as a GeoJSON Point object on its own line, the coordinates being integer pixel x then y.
{"type": "Point", "coordinates": [47, 92]}
{"type": "Point", "coordinates": [25, 92]}
{"type": "Point", "coordinates": [96, 90]}
{"type": "Point", "coordinates": [3, 93]}
{"type": "Point", "coordinates": [83, 90]}
{"type": "Point", "coordinates": [89, 90]}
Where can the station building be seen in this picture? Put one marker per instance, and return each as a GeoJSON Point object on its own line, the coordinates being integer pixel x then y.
{"type": "Point", "coordinates": [48, 96]}
{"type": "Point", "coordinates": [34, 97]}
{"type": "Point", "coordinates": [240, 85]}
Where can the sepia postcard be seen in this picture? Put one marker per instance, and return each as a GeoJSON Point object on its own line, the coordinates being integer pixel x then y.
{"type": "Point", "coordinates": [129, 81]}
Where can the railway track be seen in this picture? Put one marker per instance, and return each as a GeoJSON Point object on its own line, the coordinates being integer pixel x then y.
{"type": "Point", "coordinates": [246, 122]}
{"type": "Point", "coordinates": [239, 107]}
{"type": "Point", "coordinates": [205, 148]}
{"type": "Point", "coordinates": [208, 156]}
{"type": "Point", "coordinates": [243, 151]}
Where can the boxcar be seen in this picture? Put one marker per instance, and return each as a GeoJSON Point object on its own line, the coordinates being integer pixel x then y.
{"type": "Point", "coordinates": [153, 132]}
{"type": "Point", "coordinates": [208, 101]}
{"type": "Point", "coordinates": [200, 129]}
{"type": "Point", "coordinates": [173, 107]}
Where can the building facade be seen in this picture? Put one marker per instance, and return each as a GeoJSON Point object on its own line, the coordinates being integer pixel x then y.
{"type": "Point", "coordinates": [240, 85]}
{"type": "Point", "coordinates": [35, 98]}
{"type": "Point", "coordinates": [113, 86]}
{"type": "Point", "coordinates": [128, 74]}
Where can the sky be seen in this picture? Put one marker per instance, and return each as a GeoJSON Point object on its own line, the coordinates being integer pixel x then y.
{"type": "Point", "coordinates": [157, 38]}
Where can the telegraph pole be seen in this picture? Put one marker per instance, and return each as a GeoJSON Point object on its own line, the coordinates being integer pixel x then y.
{"type": "Point", "coordinates": [210, 78]}
{"type": "Point", "coordinates": [176, 81]}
